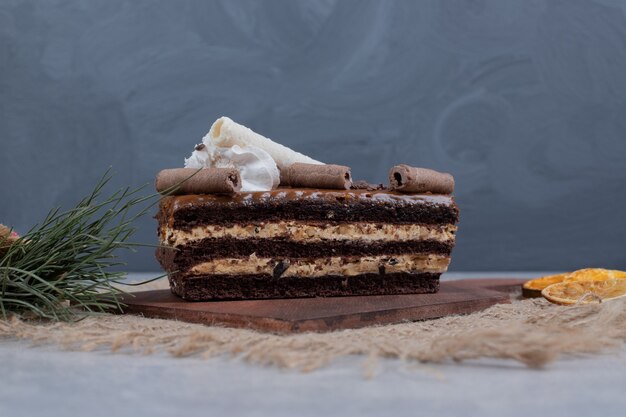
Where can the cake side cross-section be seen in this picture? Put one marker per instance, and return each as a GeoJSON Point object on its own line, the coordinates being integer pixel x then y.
{"type": "Point", "coordinates": [305, 243]}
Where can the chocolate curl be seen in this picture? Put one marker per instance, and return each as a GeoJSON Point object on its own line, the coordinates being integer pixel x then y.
{"type": "Point", "coordinates": [316, 176]}
{"type": "Point", "coordinates": [407, 179]}
{"type": "Point", "coordinates": [198, 181]}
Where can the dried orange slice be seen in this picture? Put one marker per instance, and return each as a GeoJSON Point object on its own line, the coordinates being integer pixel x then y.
{"type": "Point", "coordinates": [594, 274]}
{"type": "Point", "coordinates": [572, 292]}
{"type": "Point", "coordinates": [533, 287]}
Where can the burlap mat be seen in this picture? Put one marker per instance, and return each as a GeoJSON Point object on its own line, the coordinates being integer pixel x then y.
{"type": "Point", "coordinates": [533, 332]}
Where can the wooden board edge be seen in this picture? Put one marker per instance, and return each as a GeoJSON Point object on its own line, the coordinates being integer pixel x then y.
{"type": "Point", "coordinates": [494, 291]}
{"type": "Point", "coordinates": [210, 318]}
{"type": "Point", "coordinates": [397, 316]}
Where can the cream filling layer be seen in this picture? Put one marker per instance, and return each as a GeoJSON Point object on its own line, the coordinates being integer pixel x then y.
{"type": "Point", "coordinates": [305, 232]}
{"type": "Point", "coordinates": [308, 268]}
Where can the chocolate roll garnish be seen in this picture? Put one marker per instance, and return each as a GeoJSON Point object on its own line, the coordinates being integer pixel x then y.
{"type": "Point", "coordinates": [198, 181]}
{"type": "Point", "coordinates": [316, 176]}
{"type": "Point", "coordinates": [407, 179]}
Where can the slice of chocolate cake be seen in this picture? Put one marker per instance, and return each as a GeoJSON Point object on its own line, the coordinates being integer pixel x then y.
{"type": "Point", "coordinates": [259, 220]}
{"type": "Point", "coordinates": [305, 243]}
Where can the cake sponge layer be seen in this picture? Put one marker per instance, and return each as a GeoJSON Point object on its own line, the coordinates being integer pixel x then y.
{"type": "Point", "coordinates": [224, 287]}
{"type": "Point", "coordinates": [185, 257]}
{"type": "Point", "coordinates": [189, 211]}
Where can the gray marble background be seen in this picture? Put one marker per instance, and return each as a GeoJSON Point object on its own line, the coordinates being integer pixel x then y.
{"type": "Point", "coordinates": [523, 101]}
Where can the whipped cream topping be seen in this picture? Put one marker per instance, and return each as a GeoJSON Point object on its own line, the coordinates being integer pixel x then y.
{"type": "Point", "coordinates": [257, 158]}
{"type": "Point", "coordinates": [225, 132]}
{"type": "Point", "coordinates": [256, 167]}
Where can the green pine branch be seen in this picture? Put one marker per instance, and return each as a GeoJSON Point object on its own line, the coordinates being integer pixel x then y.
{"type": "Point", "coordinates": [64, 267]}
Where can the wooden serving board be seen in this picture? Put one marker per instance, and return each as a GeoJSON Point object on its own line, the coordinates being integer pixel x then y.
{"type": "Point", "coordinates": [326, 314]}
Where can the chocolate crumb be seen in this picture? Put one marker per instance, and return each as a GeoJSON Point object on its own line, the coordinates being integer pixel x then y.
{"type": "Point", "coordinates": [364, 185]}
{"type": "Point", "coordinates": [280, 268]}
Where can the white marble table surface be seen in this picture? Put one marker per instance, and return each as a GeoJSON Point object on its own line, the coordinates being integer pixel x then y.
{"type": "Point", "coordinates": [38, 381]}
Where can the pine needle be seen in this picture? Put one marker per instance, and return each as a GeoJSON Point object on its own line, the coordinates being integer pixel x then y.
{"type": "Point", "coordinates": [64, 268]}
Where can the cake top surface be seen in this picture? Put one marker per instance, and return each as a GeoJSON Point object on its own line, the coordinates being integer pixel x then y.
{"type": "Point", "coordinates": [303, 194]}
{"type": "Point", "coordinates": [308, 205]}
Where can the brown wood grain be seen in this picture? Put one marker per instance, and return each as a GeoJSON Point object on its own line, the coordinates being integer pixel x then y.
{"type": "Point", "coordinates": [326, 314]}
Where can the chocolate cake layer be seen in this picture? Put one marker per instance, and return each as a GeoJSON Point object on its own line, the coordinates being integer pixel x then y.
{"type": "Point", "coordinates": [187, 212]}
{"type": "Point", "coordinates": [185, 256]}
{"type": "Point", "coordinates": [221, 287]}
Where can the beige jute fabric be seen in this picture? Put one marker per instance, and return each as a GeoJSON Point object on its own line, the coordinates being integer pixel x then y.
{"type": "Point", "coordinates": [533, 332]}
